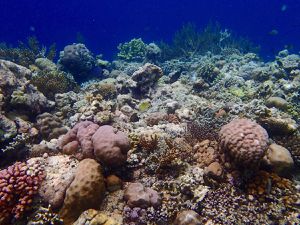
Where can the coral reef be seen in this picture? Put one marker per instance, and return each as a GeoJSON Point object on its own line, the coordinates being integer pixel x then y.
{"type": "Point", "coordinates": [134, 50]}
{"type": "Point", "coordinates": [168, 134]}
{"type": "Point", "coordinates": [17, 91]}
{"type": "Point", "coordinates": [146, 77]}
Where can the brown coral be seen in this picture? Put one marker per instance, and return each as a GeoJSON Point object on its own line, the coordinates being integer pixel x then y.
{"type": "Point", "coordinates": [244, 142]}
{"type": "Point", "coordinates": [86, 191]}
{"type": "Point", "coordinates": [50, 126]}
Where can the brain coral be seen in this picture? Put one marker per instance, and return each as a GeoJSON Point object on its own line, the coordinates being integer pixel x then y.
{"type": "Point", "coordinates": [244, 141]}
{"type": "Point", "coordinates": [85, 192]}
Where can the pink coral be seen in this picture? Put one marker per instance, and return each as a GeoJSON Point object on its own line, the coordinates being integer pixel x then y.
{"type": "Point", "coordinates": [18, 184]}
{"type": "Point", "coordinates": [110, 146]}
{"type": "Point", "coordinates": [244, 141]}
{"type": "Point", "coordinates": [88, 140]}
{"type": "Point", "coordinates": [79, 135]}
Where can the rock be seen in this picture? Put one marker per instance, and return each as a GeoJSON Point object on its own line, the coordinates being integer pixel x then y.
{"type": "Point", "coordinates": [187, 217]}
{"type": "Point", "coordinates": [85, 192]}
{"type": "Point", "coordinates": [146, 77]}
{"type": "Point", "coordinates": [277, 102]}
{"type": "Point", "coordinates": [279, 158]}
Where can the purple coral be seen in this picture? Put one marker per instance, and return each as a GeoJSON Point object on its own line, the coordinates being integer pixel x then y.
{"type": "Point", "coordinates": [244, 141]}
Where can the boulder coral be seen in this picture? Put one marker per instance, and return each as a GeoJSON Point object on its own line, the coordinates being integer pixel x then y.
{"type": "Point", "coordinates": [85, 192]}
{"type": "Point", "coordinates": [110, 146]}
{"type": "Point", "coordinates": [244, 142]}
{"type": "Point", "coordinates": [87, 140]}
{"type": "Point", "coordinates": [136, 195]}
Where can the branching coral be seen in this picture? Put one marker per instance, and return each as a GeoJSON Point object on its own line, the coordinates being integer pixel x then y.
{"type": "Point", "coordinates": [18, 184]}
{"type": "Point", "coordinates": [133, 50]}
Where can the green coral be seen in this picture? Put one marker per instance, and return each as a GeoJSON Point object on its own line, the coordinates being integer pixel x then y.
{"type": "Point", "coordinates": [133, 50]}
{"type": "Point", "coordinates": [54, 82]}
{"type": "Point", "coordinates": [144, 106]}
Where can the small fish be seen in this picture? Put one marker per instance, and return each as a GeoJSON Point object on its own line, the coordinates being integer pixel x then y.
{"type": "Point", "coordinates": [283, 8]}
{"type": "Point", "coordinates": [273, 32]}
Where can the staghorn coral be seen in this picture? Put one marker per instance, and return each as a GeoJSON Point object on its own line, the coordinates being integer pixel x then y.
{"type": "Point", "coordinates": [177, 153]}
{"type": "Point", "coordinates": [148, 141]}
{"type": "Point", "coordinates": [18, 184]}
{"type": "Point", "coordinates": [244, 142]}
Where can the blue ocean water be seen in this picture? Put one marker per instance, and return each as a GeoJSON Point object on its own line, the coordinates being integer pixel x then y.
{"type": "Point", "coordinates": [104, 24]}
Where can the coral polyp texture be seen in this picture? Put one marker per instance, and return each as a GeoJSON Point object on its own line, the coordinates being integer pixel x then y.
{"type": "Point", "coordinates": [18, 185]}
{"type": "Point", "coordinates": [244, 141]}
